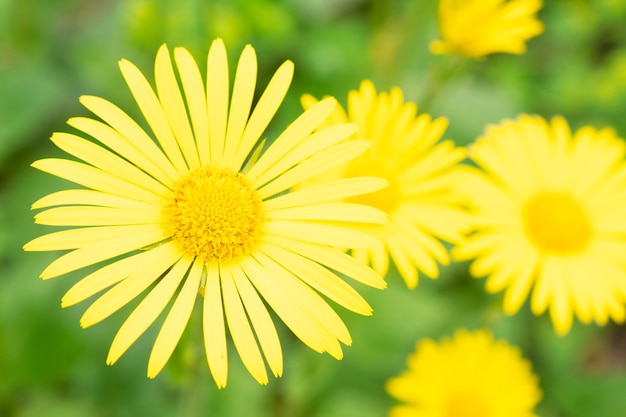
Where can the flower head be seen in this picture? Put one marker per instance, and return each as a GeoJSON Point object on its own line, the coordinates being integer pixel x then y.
{"type": "Point", "coordinates": [420, 200]}
{"type": "Point", "coordinates": [468, 375]}
{"type": "Point", "coordinates": [550, 217]}
{"type": "Point", "coordinates": [476, 28]}
{"type": "Point", "coordinates": [204, 210]}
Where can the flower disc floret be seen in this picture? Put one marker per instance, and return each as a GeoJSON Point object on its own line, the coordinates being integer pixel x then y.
{"type": "Point", "coordinates": [557, 223]}
{"type": "Point", "coordinates": [214, 214]}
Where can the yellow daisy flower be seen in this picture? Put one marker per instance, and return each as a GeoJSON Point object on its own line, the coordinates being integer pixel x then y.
{"type": "Point", "coordinates": [468, 375]}
{"type": "Point", "coordinates": [476, 28]}
{"type": "Point", "coordinates": [550, 215]}
{"type": "Point", "coordinates": [420, 199]}
{"type": "Point", "coordinates": [203, 208]}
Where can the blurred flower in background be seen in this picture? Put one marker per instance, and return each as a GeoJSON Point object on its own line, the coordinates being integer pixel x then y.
{"type": "Point", "coordinates": [205, 209]}
{"type": "Point", "coordinates": [421, 199]}
{"type": "Point", "coordinates": [477, 28]}
{"type": "Point", "coordinates": [550, 216]}
{"type": "Point", "coordinates": [470, 374]}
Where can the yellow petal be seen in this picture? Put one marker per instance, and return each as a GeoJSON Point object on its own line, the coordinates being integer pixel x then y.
{"type": "Point", "coordinates": [98, 216]}
{"type": "Point", "coordinates": [107, 162]}
{"type": "Point", "coordinates": [153, 112]}
{"type": "Point", "coordinates": [110, 274]}
{"type": "Point", "coordinates": [148, 310]}
{"type": "Point", "coordinates": [291, 284]}
{"type": "Point", "coordinates": [261, 321]}
{"type": "Point", "coordinates": [342, 212]}
{"type": "Point", "coordinates": [90, 198]}
{"type": "Point", "coordinates": [240, 330]}
{"type": "Point", "coordinates": [263, 112]}
{"type": "Point", "coordinates": [77, 238]}
{"type": "Point", "coordinates": [332, 258]}
{"type": "Point", "coordinates": [129, 288]}
{"type": "Point", "coordinates": [326, 192]}
{"type": "Point", "coordinates": [171, 101]}
{"type": "Point", "coordinates": [175, 322]}
{"type": "Point", "coordinates": [101, 251]}
{"type": "Point", "coordinates": [217, 99]}
{"type": "Point", "coordinates": [96, 179]}
{"type": "Point", "coordinates": [124, 147]}
{"type": "Point", "coordinates": [297, 317]}
{"type": "Point", "coordinates": [243, 93]}
{"type": "Point", "coordinates": [322, 234]}
{"type": "Point", "coordinates": [131, 131]}
{"type": "Point", "coordinates": [191, 79]}
{"type": "Point", "coordinates": [319, 278]}
{"type": "Point", "coordinates": [314, 166]}
{"type": "Point", "coordinates": [214, 328]}
{"type": "Point", "coordinates": [283, 148]}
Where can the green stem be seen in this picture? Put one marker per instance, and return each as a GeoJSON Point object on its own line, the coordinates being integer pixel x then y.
{"type": "Point", "coordinates": [447, 69]}
{"type": "Point", "coordinates": [193, 376]}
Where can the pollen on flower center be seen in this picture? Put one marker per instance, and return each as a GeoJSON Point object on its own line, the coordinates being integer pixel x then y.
{"type": "Point", "coordinates": [557, 224]}
{"type": "Point", "coordinates": [214, 214]}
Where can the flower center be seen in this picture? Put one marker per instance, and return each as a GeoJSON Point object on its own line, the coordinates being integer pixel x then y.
{"type": "Point", "coordinates": [557, 224]}
{"type": "Point", "coordinates": [465, 405]}
{"type": "Point", "coordinates": [214, 214]}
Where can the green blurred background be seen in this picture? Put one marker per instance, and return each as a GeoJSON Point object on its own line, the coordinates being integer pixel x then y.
{"type": "Point", "coordinates": [53, 51]}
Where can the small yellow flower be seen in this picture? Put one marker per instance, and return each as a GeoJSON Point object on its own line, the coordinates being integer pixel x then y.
{"type": "Point", "coordinates": [550, 216]}
{"type": "Point", "coordinates": [202, 209]}
{"type": "Point", "coordinates": [476, 28]}
{"type": "Point", "coordinates": [468, 375]}
{"type": "Point", "coordinates": [420, 200]}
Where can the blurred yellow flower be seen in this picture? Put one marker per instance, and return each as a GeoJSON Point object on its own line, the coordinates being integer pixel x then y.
{"type": "Point", "coordinates": [468, 375]}
{"type": "Point", "coordinates": [203, 210]}
{"type": "Point", "coordinates": [476, 28]}
{"type": "Point", "coordinates": [420, 200]}
{"type": "Point", "coordinates": [550, 215]}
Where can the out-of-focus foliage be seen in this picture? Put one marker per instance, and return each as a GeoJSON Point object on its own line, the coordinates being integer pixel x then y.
{"type": "Point", "coordinates": [53, 51]}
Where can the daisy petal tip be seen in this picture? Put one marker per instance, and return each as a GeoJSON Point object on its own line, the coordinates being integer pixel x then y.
{"type": "Point", "coordinates": [45, 275]}
{"type": "Point", "coordinates": [111, 359]}
{"type": "Point", "coordinates": [562, 326]}
{"type": "Point", "coordinates": [262, 381]}
{"type": "Point", "coordinates": [331, 102]}
{"type": "Point", "coordinates": [220, 380]}
{"type": "Point", "coordinates": [153, 370]}
{"type": "Point", "coordinates": [125, 65]}
{"type": "Point", "coordinates": [277, 373]}
{"type": "Point", "coordinates": [379, 284]}
{"type": "Point", "coordinates": [411, 285]}
{"type": "Point", "coordinates": [561, 331]}
{"type": "Point", "coordinates": [510, 308]}
{"type": "Point", "coordinates": [287, 67]}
